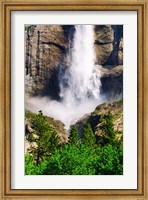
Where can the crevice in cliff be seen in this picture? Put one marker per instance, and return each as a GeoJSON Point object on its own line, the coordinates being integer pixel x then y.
{"type": "Point", "coordinates": [112, 87]}
{"type": "Point", "coordinates": [101, 43]}
{"type": "Point", "coordinates": [38, 54]}
{"type": "Point", "coordinates": [63, 49]}
{"type": "Point", "coordinates": [113, 58]}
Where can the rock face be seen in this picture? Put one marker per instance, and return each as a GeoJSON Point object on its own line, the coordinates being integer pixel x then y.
{"type": "Point", "coordinates": [109, 45]}
{"type": "Point", "coordinates": [46, 50]}
{"type": "Point", "coordinates": [112, 83]}
{"type": "Point", "coordinates": [104, 38]}
{"type": "Point", "coordinates": [57, 125]}
{"type": "Point", "coordinates": [94, 118]}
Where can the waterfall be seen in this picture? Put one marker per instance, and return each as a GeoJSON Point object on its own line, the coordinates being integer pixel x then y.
{"type": "Point", "coordinates": [80, 81]}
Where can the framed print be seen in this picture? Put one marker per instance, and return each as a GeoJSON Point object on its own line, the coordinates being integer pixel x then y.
{"type": "Point", "coordinates": [73, 100]}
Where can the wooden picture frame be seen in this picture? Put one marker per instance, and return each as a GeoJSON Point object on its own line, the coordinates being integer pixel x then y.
{"type": "Point", "coordinates": [5, 99]}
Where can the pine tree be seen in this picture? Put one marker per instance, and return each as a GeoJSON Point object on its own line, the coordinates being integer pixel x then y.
{"type": "Point", "coordinates": [73, 137]}
{"type": "Point", "coordinates": [88, 136]}
{"type": "Point", "coordinates": [107, 127]}
{"type": "Point", "coordinates": [44, 138]}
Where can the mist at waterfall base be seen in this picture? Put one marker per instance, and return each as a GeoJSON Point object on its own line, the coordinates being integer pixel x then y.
{"type": "Point", "coordinates": [79, 83]}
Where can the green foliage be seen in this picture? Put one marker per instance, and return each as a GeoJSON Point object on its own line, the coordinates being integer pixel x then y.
{"type": "Point", "coordinates": [95, 112]}
{"type": "Point", "coordinates": [26, 27]}
{"type": "Point", "coordinates": [88, 136]}
{"type": "Point", "coordinates": [110, 160]}
{"type": "Point", "coordinates": [120, 102]}
{"type": "Point", "coordinates": [107, 128]}
{"type": "Point", "coordinates": [47, 157]}
{"type": "Point", "coordinates": [29, 164]}
{"type": "Point", "coordinates": [73, 136]}
{"type": "Point", "coordinates": [72, 160]}
{"type": "Point", "coordinates": [31, 168]}
{"type": "Point", "coordinates": [29, 114]}
{"type": "Point", "coordinates": [44, 138]}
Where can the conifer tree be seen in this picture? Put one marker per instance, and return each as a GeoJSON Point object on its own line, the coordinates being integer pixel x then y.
{"type": "Point", "coordinates": [88, 136]}
{"type": "Point", "coordinates": [107, 127]}
{"type": "Point", "coordinates": [73, 137]}
{"type": "Point", "coordinates": [44, 138]}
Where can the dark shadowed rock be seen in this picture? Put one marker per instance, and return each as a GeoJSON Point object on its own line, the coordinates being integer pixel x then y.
{"type": "Point", "coordinates": [94, 118]}
{"type": "Point", "coordinates": [116, 56]}
{"type": "Point", "coordinates": [112, 83]}
{"type": "Point", "coordinates": [109, 44]}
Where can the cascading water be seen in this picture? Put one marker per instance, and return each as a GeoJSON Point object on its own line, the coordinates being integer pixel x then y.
{"type": "Point", "coordinates": [79, 82]}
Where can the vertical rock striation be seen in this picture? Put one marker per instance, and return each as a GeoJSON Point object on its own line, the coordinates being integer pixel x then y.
{"type": "Point", "coordinates": [46, 51]}
{"type": "Point", "coordinates": [46, 48]}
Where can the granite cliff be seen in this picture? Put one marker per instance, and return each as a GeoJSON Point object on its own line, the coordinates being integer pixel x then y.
{"type": "Point", "coordinates": [46, 50]}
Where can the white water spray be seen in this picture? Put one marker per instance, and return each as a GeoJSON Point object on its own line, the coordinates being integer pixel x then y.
{"type": "Point", "coordinates": [79, 84]}
{"type": "Point", "coordinates": [80, 81]}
